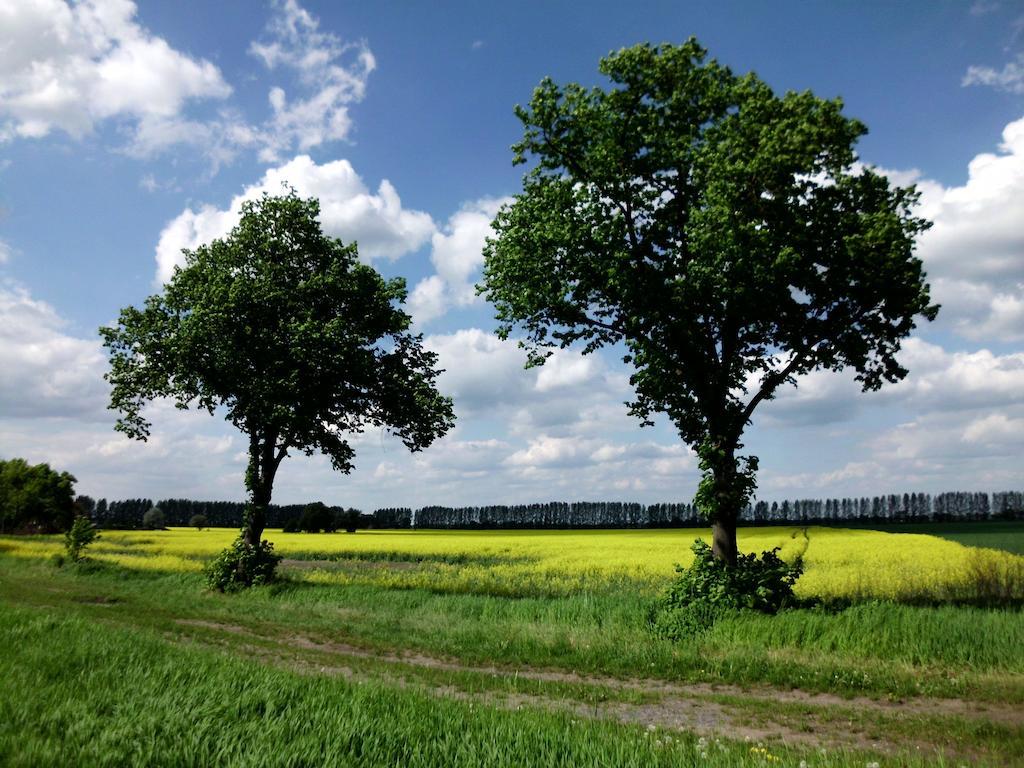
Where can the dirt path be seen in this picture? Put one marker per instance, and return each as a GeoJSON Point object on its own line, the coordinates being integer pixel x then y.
{"type": "Point", "coordinates": [772, 714]}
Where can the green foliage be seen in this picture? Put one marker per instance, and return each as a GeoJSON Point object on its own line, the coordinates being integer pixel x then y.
{"type": "Point", "coordinates": [710, 589]}
{"type": "Point", "coordinates": [286, 331]}
{"type": "Point", "coordinates": [154, 518]}
{"type": "Point", "coordinates": [35, 497]}
{"type": "Point", "coordinates": [347, 519]}
{"type": "Point", "coordinates": [198, 522]}
{"type": "Point", "coordinates": [242, 565]}
{"type": "Point", "coordinates": [722, 234]}
{"type": "Point", "coordinates": [80, 535]}
{"type": "Point", "coordinates": [317, 517]}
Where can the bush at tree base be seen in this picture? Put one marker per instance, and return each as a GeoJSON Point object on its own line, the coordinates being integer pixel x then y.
{"type": "Point", "coordinates": [241, 565]}
{"type": "Point", "coordinates": [709, 589]}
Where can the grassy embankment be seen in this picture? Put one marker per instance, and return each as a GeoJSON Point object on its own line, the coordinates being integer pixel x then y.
{"type": "Point", "coordinates": [476, 616]}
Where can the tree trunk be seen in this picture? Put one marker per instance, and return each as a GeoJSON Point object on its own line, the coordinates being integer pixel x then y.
{"type": "Point", "coordinates": [259, 481]}
{"type": "Point", "coordinates": [723, 539]}
{"type": "Point", "coordinates": [256, 516]}
{"type": "Point", "coordinates": [725, 490]}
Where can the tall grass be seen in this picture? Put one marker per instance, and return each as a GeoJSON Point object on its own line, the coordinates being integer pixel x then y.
{"type": "Point", "coordinates": [118, 698]}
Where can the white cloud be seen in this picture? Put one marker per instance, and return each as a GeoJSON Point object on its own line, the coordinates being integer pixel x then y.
{"type": "Point", "coordinates": [1010, 78]}
{"type": "Point", "coordinates": [43, 370]}
{"type": "Point", "coordinates": [457, 255]}
{"type": "Point", "coordinates": [486, 375]}
{"type": "Point", "coordinates": [938, 381]}
{"type": "Point", "coordinates": [348, 210]}
{"type": "Point", "coordinates": [974, 252]}
{"type": "Point", "coordinates": [481, 372]}
{"type": "Point", "coordinates": [996, 428]}
{"type": "Point", "coordinates": [67, 67]}
{"type": "Point", "coordinates": [566, 368]}
{"type": "Point", "coordinates": [546, 451]}
{"type": "Point", "coordinates": [5, 252]}
{"type": "Point", "coordinates": [332, 75]}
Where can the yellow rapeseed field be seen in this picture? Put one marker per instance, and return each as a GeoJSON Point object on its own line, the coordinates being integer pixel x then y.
{"type": "Point", "coordinates": [840, 563]}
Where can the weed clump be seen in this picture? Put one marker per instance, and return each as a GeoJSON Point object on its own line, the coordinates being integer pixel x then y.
{"type": "Point", "coordinates": [709, 589]}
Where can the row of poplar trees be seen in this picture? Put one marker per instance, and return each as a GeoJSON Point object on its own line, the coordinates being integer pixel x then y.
{"type": "Point", "coordinates": [894, 508]}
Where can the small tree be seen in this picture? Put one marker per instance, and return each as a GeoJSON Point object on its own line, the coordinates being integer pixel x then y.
{"type": "Point", "coordinates": [719, 232]}
{"type": "Point", "coordinates": [153, 518]}
{"type": "Point", "coordinates": [284, 329]}
{"type": "Point", "coordinates": [80, 535]}
{"type": "Point", "coordinates": [198, 522]}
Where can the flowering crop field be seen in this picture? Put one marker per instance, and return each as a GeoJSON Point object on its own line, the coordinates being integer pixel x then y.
{"type": "Point", "coordinates": [841, 564]}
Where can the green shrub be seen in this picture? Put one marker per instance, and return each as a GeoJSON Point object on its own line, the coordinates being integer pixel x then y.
{"type": "Point", "coordinates": [80, 535]}
{"type": "Point", "coordinates": [241, 565]}
{"type": "Point", "coordinates": [153, 518]}
{"type": "Point", "coordinates": [198, 522]}
{"type": "Point", "coordinates": [291, 525]}
{"type": "Point", "coordinates": [709, 589]}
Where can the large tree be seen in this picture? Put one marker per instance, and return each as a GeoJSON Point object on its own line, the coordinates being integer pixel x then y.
{"type": "Point", "coordinates": [34, 497]}
{"type": "Point", "coordinates": [295, 340]}
{"type": "Point", "coordinates": [725, 237]}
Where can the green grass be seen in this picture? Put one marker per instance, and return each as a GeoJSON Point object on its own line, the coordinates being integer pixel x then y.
{"type": "Point", "coordinates": [110, 696]}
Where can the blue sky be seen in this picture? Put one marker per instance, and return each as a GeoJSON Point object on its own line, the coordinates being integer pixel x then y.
{"type": "Point", "coordinates": [128, 132]}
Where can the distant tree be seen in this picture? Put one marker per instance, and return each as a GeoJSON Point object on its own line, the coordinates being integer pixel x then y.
{"type": "Point", "coordinates": [722, 234]}
{"type": "Point", "coordinates": [154, 518]}
{"type": "Point", "coordinates": [198, 522]}
{"type": "Point", "coordinates": [284, 329]}
{"type": "Point", "coordinates": [85, 505]}
{"type": "Point", "coordinates": [33, 496]}
{"type": "Point", "coordinates": [317, 517]}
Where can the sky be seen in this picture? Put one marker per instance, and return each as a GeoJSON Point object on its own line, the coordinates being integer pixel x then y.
{"type": "Point", "coordinates": [131, 131]}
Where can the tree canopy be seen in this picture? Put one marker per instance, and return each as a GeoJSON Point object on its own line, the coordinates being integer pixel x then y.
{"type": "Point", "coordinates": [282, 328]}
{"type": "Point", "coordinates": [725, 236]}
{"type": "Point", "coordinates": [35, 497]}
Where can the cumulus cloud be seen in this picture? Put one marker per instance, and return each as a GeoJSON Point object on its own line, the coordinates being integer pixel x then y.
{"type": "Point", "coordinates": [66, 67]}
{"type": "Point", "coordinates": [348, 210]}
{"type": "Point", "coordinates": [939, 381]}
{"type": "Point", "coordinates": [44, 371]}
{"type": "Point", "coordinates": [485, 374]}
{"type": "Point", "coordinates": [457, 255]}
{"type": "Point", "coordinates": [974, 253]}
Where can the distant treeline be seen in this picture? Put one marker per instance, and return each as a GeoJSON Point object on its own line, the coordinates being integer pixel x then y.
{"type": "Point", "coordinates": [219, 514]}
{"type": "Point", "coordinates": [894, 508]}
